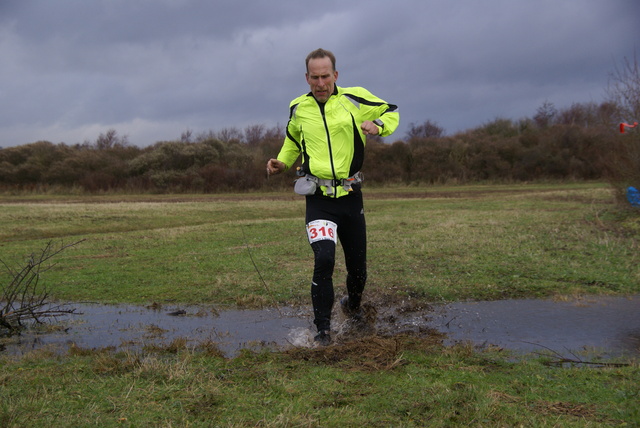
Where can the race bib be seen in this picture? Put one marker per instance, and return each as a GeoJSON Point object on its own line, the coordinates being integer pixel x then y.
{"type": "Point", "coordinates": [319, 230]}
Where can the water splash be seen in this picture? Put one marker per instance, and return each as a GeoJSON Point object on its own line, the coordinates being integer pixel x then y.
{"type": "Point", "coordinates": [300, 337]}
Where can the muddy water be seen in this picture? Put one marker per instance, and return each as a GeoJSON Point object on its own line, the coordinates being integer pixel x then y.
{"type": "Point", "coordinates": [133, 327]}
{"type": "Point", "coordinates": [605, 326]}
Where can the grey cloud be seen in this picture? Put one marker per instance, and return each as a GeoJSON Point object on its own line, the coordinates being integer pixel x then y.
{"type": "Point", "coordinates": [153, 66]}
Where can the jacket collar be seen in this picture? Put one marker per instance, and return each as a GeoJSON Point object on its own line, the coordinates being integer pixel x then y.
{"type": "Point", "coordinates": [335, 92]}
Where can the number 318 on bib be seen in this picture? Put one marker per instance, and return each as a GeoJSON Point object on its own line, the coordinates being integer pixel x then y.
{"type": "Point", "coordinates": [320, 230]}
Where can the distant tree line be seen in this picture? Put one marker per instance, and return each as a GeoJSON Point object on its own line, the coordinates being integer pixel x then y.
{"type": "Point", "coordinates": [570, 144]}
{"type": "Point", "coordinates": [581, 142]}
{"type": "Point", "coordinates": [574, 143]}
{"type": "Point", "coordinates": [559, 145]}
{"type": "Point", "coordinates": [229, 160]}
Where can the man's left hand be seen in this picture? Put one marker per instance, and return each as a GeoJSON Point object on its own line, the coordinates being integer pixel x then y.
{"type": "Point", "coordinates": [369, 128]}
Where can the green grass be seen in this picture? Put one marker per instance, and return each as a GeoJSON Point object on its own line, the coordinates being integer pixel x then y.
{"type": "Point", "coordinates": [438, 244]}
{"type": "Point", "coordinates": [395, 383]}
{"type": "Point", "coordinates": [433, 244]}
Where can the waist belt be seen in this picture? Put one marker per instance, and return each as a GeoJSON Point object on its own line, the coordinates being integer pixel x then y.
{"type": "Point", "coordinates": [346, 183]}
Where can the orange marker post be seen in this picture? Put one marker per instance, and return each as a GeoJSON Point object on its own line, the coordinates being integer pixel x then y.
{"type": "Point", "coordinates": [626, 125]}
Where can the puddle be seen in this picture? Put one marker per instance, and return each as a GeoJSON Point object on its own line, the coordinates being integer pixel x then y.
{"type": "Point", "coordinates": [133, 327]}
{"type": "Point", "coordinates": [602, 326]}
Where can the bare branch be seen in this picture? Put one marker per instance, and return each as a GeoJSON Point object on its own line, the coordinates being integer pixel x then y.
{"type": "Point", "coordinates": [23, 298]}
{"type": "Point", "coordinates": [624, 88]}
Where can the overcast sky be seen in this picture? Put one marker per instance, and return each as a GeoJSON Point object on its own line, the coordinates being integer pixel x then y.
{"type": "Point", "coordinates": [152, 69]}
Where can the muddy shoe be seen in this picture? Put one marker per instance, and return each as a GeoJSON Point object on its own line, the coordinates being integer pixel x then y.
{"type": "Point", "coordinates": [323, 338]}
{"type": "Point", "coordinates": [355, 315]}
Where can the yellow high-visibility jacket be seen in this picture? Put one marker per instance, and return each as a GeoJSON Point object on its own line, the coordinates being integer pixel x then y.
{"type": "Point", "coordinates": [329, 136]}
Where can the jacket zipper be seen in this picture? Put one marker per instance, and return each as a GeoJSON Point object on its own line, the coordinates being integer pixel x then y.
{"type": "Point", "coordinates": [326, 128]}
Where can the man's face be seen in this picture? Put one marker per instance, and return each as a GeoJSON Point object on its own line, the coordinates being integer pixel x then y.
{"type": "Point", "coordinates": [321, 78]}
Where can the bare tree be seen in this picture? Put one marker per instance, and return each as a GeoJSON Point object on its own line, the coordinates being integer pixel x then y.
{"type": "Point", "coordinates": [110, 140]}
{"type": "Point", "coordinates": [623, 159]}
{"type": "Point", "coordinates": [186, 136]}
{"type": "Point", "coordinates": [24, 298]}
{"type": "Point", "coordinates": [624, 88]}
{"type": "Point", "coordinates": [428, 129]}
{"type": "Point", "coordinates": [545, 114]}
{"type": "Point", "coordinates": [227, 135]}
{"type": "Point", "coordinates": [253, 134]}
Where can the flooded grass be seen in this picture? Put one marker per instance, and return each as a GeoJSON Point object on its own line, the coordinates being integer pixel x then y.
{"type": "Point", "coordinates": [579, 329]}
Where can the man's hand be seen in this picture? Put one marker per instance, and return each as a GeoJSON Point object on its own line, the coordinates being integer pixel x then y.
{"type": "Point", "coordinates": [369, 128]}
{"type": "Point", "coordinates": [274, 166]}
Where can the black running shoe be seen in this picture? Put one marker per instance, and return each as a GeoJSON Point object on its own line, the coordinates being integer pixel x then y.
{"type": "Point", "coordinates": [323, 338]}
{"type": "Point", "coordinates": [354, 314]}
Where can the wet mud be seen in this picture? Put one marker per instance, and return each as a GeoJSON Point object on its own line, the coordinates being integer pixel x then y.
{"type": "Point", "coordinates": [601, 326]}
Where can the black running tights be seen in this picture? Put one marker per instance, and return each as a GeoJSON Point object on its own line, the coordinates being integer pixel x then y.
{"type": "Point", "coordinates": [347, 213]}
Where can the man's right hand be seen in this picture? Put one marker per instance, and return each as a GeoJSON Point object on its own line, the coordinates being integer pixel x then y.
{"type": "Point", "coordinates": [274, 166]}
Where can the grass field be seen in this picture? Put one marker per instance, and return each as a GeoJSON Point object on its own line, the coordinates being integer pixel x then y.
{"type": "Point", "coordinates": [433, 244]}
{"type": "Point", "coordinates": [437, 244]}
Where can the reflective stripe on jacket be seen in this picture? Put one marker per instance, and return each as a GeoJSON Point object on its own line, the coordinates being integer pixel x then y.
{"type": "Point", "coordinates": [329, 136]}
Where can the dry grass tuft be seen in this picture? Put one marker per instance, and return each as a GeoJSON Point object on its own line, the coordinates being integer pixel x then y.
{"type": "Point", "coordinates": [367, 354]}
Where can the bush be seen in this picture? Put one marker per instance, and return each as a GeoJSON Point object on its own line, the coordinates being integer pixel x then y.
{"type": "Point", "coordinates": [574, 144]}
